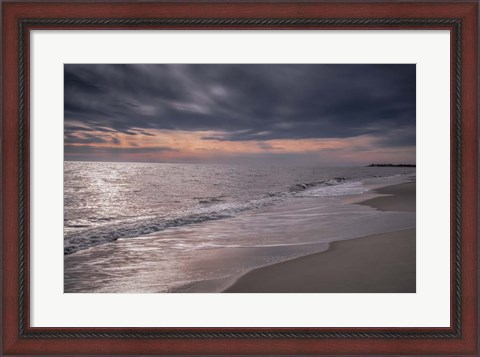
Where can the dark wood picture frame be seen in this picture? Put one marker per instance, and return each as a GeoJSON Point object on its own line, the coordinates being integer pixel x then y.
{"type": "Point", "coordinates": [460, 18]}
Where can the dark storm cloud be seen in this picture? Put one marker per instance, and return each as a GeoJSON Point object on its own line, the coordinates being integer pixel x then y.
{"type": "Point", "coordinates": [397, 138]}
{"type": "Point", "coordinates": [244, 102]}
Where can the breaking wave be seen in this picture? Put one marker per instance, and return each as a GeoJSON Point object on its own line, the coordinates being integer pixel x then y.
{"type": "Point", "coordinates": [208, 208]}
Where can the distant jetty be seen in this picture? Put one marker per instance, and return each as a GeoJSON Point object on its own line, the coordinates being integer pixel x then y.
{"type": "Point", "coordinates": [391, 165]}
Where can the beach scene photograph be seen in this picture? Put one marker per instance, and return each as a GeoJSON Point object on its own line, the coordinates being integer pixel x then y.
{"type": "Point", "coordinates": [239, 178]}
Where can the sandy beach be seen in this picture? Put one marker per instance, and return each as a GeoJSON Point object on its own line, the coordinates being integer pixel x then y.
{"type": "Point", "coordinates": [381, 263]}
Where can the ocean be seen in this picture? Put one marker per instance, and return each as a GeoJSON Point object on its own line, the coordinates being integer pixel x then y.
{"type": "Point", "coordinates": [159, 227]}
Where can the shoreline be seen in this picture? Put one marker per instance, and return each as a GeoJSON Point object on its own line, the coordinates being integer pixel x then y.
{"type": "Point", "coordinates": [378, 263]}
{"type": "Point", "coordinates": [399, 198]}
{"type": "Point", "coordinates": [289, 230]}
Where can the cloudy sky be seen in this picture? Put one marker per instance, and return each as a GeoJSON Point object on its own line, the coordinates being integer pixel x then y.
{"type": "Point", "coordinates": [240, 113]}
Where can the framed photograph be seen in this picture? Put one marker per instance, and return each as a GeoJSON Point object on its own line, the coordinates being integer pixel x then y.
{"type": "Point", "coordinates": [240, 178]}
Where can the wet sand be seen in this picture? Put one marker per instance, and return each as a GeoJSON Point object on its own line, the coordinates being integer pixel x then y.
{"type": "Point", "coordinates": [397, 198]}
{"type": "Point", "coordinates": [381, 263]}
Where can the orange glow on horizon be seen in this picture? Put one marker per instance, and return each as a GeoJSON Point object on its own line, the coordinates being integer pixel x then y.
{"type": "Point", "coordinates": [180, 144]}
